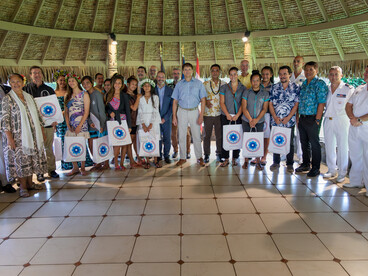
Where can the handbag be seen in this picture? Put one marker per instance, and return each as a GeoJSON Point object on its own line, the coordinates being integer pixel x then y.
{"type": "Point", "coordinates": [74, 149]}
{"type": "Point", "coordinates": [102, 151]}
{"type": "Point", "coordinates": [148, 145]}
{"type": "Point", "coordinates": [232, 136]}
{"type": "Point", "coordinates": [280, 140]}
{"type": "Point", "coordinates": [118, 134]}
{"type": "Point", "coordinates": [266, 126]}
{"type": "Point", "coordinates": [252, 144]}
{"type": "Point", "coordinates": [49, 109]}
{"type": "Point", "coordinates": [58, 150]}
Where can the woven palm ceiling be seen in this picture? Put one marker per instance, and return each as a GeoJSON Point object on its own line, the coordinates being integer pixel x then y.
{"type": "Point", "coordinates": [74, 33]}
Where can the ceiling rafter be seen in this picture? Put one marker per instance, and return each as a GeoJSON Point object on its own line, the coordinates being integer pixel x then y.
{"type": "Point", "coordinates": [344, 7]}
{"type": "Point", "coordinates": [273, 48]}
{"type": "Point", "coordinates": [37, 14]}
{"type": "Point", "coordinates": [214, 50]}
{"type": "Point", "coordinates": [301, 10]}
{"type": "Point", "coordinates": [209, 1]}
{"type": "Point", "coordinates": [314, 47]}
{"type": "Point", "coordinates": [361, 39]}
{"type": "Point", "coordinates": [86, 57]}
{"type": "Point", "coordinates": [265, 14]}
{"type": "Point", "coordinates": [131, 16]}
{"type": "Point", "coordinates": [232, 45]}
{"type": "Point", "coordinates": [292, 46]}
{"type": "Point", "coordinates": [2, 39]}
{"type": "Point", "coordinates": [246, 15]}
{"type": "Point", "coordinates": [228, 15]}
{"type": "Point", "coordinates": [322, 9]}
{"type": "Point", "coordinates": [16, 12]}
{"type": "Point", "coordinates": [147, 14]}
{"type": "Point", "coordinates": [194, 16]}
{"type": "Point", "coordinates": [179, 12]}
{"type": "Point", "coordinates": [337, 44]}
{"type": "Point", "coordinates": [253, 51]}
{"type": "Point", "coordinates": [114, 16]}
{"type": "Point", "coordinates": [163, 17]}
{"type": "Point", "coordinates": [95, 15]}
{"type": "Point", "coordinates": [282, 11]}
{"type": "Point", "coordinates": [67, 51]}
{"type": "Point", "coordinates": [78, 14]}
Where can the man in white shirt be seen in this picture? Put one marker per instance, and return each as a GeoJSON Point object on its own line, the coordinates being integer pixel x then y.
{"type": "Point", "coordinates": [357, 111]}
{"type": "Point", "coordinates": [336, 125]}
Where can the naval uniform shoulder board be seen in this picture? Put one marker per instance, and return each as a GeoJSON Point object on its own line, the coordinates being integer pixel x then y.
{"type": "Point", "coordinates": [349, 86]}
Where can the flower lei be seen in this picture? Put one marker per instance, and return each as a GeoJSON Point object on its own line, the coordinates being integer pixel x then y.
{"type": "Point", "coordinates": [24, 79]}
{"type": "Point", "coordinates": [149, 81]}
{"type": "Point", "coordinates": [59, 73]}
{"type": "Point", "coordinates": [74, 76]}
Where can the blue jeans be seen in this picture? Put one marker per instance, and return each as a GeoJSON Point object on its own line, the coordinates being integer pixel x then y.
{"type": "Point", "coordinates": [166, 138]}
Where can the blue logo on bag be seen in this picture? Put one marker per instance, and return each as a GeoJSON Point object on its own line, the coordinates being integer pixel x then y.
{"type": "Point", "coordinates": [149, 147]}
{"type": "Point", "coordinates": [119, 133]}
{"type": "Point", "coordinates": [76, 150]}
{"type": "Point", "coordinates": [103, 150]}
{"type": "Point", "coordinates": [48, 110]}
{"type": "Point", "coordinates": [233, 137]}
{"type": "Point", "coordinates": [279, 140]}
{"type": "Point", "coordinates": [252, 145]}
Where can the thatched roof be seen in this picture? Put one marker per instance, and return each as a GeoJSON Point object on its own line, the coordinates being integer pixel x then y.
{"type": "Point", "coordinates": [56, 33]}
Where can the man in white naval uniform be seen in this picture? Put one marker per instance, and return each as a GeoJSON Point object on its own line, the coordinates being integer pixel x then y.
{"type": "Point", "coordinates": [336, 125]}
{"type": "Point", "coordinates": [357, 111]}
{"type": "Point", "coordinates": [298, 77]}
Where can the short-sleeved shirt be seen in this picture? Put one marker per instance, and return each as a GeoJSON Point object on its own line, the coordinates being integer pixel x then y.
{"type": "Point", "coordinates": [189, 93]}
{"type": "Point", "coordinates": [41, 91]}
{"type": "Point", "coordinates": [245, 80]}
{"type": "Point", "coordinates": [335, 105]}
{"type": "Point", "coordinates": [359, 100]}
{"type": "Point", "coordinates": [283, 101]}
{"type": "Point", "coordinates": [213, 94]}
{"type": "Point", "coordinates": [232, 101]}
{"type": "Point", "coordinates": [298, 80]}
{"type": "Point", "coordinates": [255, 102]}
{"type": "Point", "coordinates": [311, 95]}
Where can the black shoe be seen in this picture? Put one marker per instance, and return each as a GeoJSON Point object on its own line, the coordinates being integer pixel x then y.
{"type": "Point", "coordinates": [175, 154]}
{"type": "Point", "coordinates": [313, 173]}
{"type": "Point", "coordinates": [168, 160]}
{"type": "Point", "coordinates": [9, 189]}
{"type": "Point", "coordinates": [302, 168]}
{"type": "Point", "coordinates": [53, 174]}
{"type": "Point", "coordinates": [188, 156]}
{"type": "Point", "coordinates": [40, 178]}
{"type": "Point", "coordinates": [206, 158]}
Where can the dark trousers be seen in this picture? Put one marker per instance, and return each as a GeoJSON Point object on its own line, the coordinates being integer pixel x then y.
{"type": "Point", "coordinates": [309, 138]}
{"type": "Point", "coordinates": [209, 123]}
{"type": "Point", "coordinates": [225, 153]}
{"type": "Point", "coordinates": [166, 138]}
{"type": "Point", "coordinates": [290, 155]}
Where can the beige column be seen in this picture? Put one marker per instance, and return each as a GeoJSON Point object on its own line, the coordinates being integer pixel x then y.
{"type": "Point", "coordinates": [112, 57]}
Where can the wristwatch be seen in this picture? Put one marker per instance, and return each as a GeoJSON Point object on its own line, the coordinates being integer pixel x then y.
{"type": "Point", "coordinates": [318, 120]}
{"type": "Point", "coordinates": [359, 120]}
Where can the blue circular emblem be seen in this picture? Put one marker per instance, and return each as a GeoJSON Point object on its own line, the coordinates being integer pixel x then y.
{"type": "Point", "coordinates": [252, 145]}
{"type": "Point", "coordinates": [233, 137]}
{"type": "Point", "coordinates": [149, 147]}
{"type": "Point", "coordinates": [103, 150]}
{"type": "Point", "coordinates": [119, 133]}
{"type": "Point", "coordinates": [279, 139]}
{"type": "Point", "coordinates": [48, 110]}
{"type": "Point", "coordinates": [76, 150]}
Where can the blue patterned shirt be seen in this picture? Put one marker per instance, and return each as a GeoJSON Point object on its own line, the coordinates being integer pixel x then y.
{"type": "Point", "coordinates": [283, 102]}
{"type": "Point", "coordinates": [189, 93]}
{"type": "Point", "coordinates": [311, 95]}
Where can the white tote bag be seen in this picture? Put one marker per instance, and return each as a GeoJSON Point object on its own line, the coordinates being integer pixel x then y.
{"type": "Point", "coordinates": [252, 144]}
{"type": "Point", "coordinates": [280, 140]}
{"type": "Point", "coordinates": [49, 109]}
{"type": "Point", "coordinates": [266, 126]}
{"type": "Point", "coordinates": [58, 150]}
{"type": "Point", "coordinates": [102, 151]}
{"type": "Point", "coordinates": [232, 137]}
{"type": "Point", "coordinates": [118, 133]}
{"type": "Point", "coordinates": [74, 149]}
{"type": "Point", "coordinates": [148, 144]}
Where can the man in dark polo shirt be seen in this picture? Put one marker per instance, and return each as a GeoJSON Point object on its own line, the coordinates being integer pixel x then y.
{"type": "Point", "coordinates": [37, 88]}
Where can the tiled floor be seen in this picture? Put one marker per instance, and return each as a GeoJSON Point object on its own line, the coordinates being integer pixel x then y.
{"type": "Point", "coordinates": [186, 221]}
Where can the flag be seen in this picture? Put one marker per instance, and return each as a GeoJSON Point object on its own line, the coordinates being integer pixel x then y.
{"type": "Point", "coordinates": [162, 62]}
{"type": "Point", "coordinates": [182, 74]}
{"type": "Point", "coordinates": [197, 69]}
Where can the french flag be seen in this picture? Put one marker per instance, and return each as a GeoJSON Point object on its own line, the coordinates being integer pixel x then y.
{"type": "Point", "coordinates": [197, 69]}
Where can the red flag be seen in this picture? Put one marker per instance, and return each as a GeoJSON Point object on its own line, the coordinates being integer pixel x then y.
{"type": "Point", "coordinates": [197, 69]}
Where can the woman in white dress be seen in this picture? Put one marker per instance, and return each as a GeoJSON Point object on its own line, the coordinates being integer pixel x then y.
{"type": "Point", "coordinates": [149, 118]}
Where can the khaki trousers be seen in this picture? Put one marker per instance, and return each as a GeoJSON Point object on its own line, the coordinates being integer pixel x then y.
{"type": "Point", "coordinates": [49, 133]}
{"type": "Point", "coordinates": [174, 138]}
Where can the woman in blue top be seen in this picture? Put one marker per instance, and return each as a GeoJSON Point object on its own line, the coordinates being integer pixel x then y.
{"type": "Point", "coordinates": [254, 105]}
{"type": "Point", "coordinates": [231, 109]}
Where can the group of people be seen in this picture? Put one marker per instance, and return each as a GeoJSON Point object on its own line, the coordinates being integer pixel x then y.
{"type": "Point", "coordinates": [178, 110]}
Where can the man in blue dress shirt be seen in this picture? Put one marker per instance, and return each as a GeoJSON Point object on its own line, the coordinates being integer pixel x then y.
{"type": "Point", "coordinates": [187, 95]}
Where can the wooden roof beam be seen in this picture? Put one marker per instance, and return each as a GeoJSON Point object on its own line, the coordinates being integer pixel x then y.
{"type": "Point", "coordinates": [56, 18]}
{"type": "Point", "coordinates": [86, 57]}
{"type": "Point", "coordinates": [338, 45]}
{"type": "Point", "coordinates": [114, 16]}
{"type": "Point", "coordinates": [179, 18]}
{"type": "Point", "coordinates": [194, 16]}
{"type": "Point", "coordinates": [16, 12]}
{"type": "Point", "coordinates": [147, 15]}
{"type": "Point", "coordinates": [282, 13]}
{"type": "Point", "coordinates": [37, 14]}
{"type": "Point", "coordinates": [361, 39]}
{"type": "Point", "coordinates": [246, 15]}
{"type": "Point", "coordinates": [3, 38]}
{"type": "Point", "coordinates": [323, 10]}
{"type": "Point", "coordinates": [131, 16]}
{"type": "Point", "coordinates": [163, 16]}
{"type": "Point", "coordinates": [209, 1]}
{"type": "Point", "coordinates": [273, 48]}
{"type": "Point", "coordinates": [253, 52]}
{"type": "Point", "coordinates": [344, 7]}
{"type": "Point", "coordinates": [214, 50]}
{"type": "Point", "coordinates": [232, 46]}
{"type": "Point", "coordinates": [314, 47]}
{"type": "Point", "coordinates": [94, 16]}
{"type": "Point", "coordinates": [78, 14]}
{"type": "Point", "coordinates": [23, 48]}
{"type": "Point", "coordinates": [265, 14]}
{"type": "Point", "coordinates": [67, 51]}
{"type": "Point", "coordinates": [301, 10]}
{"type": "Point", "coordinates": [228, 17]}
{"type": "Point", "coordinates": [292, 45]}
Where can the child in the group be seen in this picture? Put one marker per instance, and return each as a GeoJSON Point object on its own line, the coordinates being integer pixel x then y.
{"type": "Point", "coordinates": [118, 109]}
{"type": "Point", "coordinates": [149, 118]}
{"type": "Point", "coordinates": [77, 104]}
{"type": "Point", "coordinates": [97, 108]}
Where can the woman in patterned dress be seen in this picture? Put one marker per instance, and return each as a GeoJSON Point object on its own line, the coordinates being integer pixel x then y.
{"type": "Point", "coordinates": [77, 104]}
{"type": "Point", "coordinates": [23, 141]}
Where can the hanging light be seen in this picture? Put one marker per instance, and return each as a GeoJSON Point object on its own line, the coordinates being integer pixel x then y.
{"type": "Point", "coordinates": [113, 38]}
{"type": "Point", "coordinates": [246, 36]}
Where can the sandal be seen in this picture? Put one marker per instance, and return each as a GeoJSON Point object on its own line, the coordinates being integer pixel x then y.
{"type": "Point", "coordinates": [225, 163]}
{"type": "Point", "coordinates": [259, 167]}
{"type": "Point", "coordinates": [245, 165]}
{"type": "Point", "coordinates": [96, 168]}
{"type": "Point", "coordinates": [158, 165]}
{"type": "Point", "coordinates": [135, 165]}
{"type": "Point", "coordinates": [146, 165]}
{"type": "Point", "coordinates": [234, 163]}
{"type": "Point", "coordinates": [83, 173]}
{"type": "Point", "coordinates": [122, 168]}
{"type": "Point", "coordinates": [72, 173]}
{"type": "Point", "coordinates": [35, 186]}
{"type": "Point", "coordinates": [117, 168]}
{"type": "Point", "coordinates": [23, 193]}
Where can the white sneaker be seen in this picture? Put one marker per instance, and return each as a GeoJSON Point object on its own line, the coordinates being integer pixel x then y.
{"type": "Point", "coordinates": [340, 178]}
{"type": "Point", "coordinates": [329, 174]}
{"type": "Point", "coordinates": [349, 185]}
